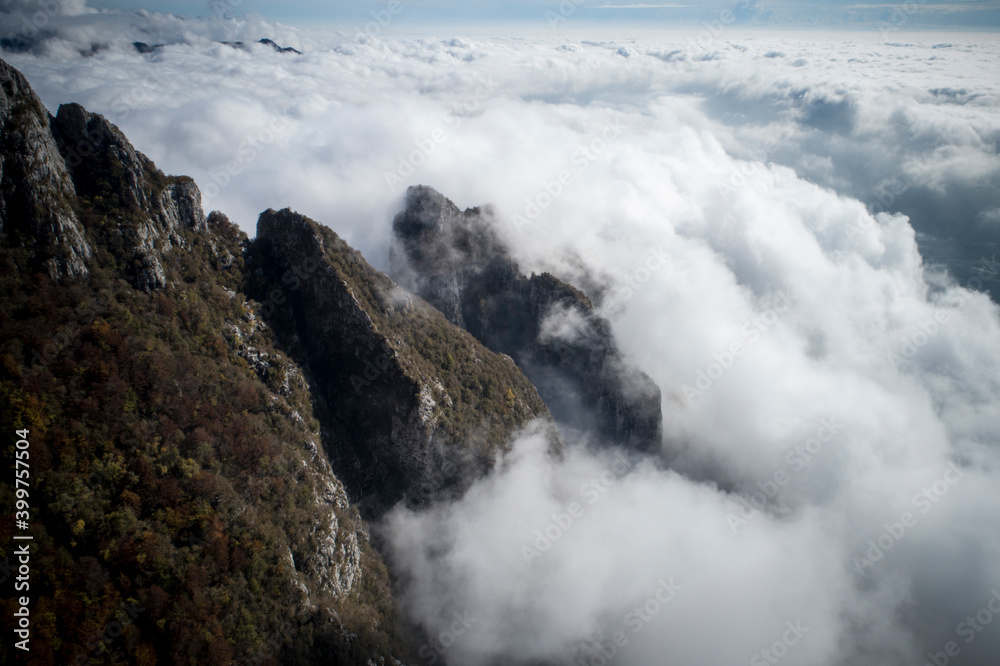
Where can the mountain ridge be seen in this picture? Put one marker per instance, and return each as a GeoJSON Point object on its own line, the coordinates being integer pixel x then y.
{"type": "Point", "coordinates": [210, 428]}
{"type": "Point", "coordinates": [456, 260]}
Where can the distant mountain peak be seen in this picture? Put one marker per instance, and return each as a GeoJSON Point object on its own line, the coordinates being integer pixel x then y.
{"type": "Point", "coordinates": [457, 262]}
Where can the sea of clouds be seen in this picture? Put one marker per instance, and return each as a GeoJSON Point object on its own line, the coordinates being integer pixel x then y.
{"type": "Point", "coordinates": [762, 217]}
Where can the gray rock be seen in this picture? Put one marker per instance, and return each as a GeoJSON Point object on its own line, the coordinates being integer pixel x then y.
{"type": "Point", "coordinates": [455, 260]}
{"type": "Point", "coordinates": [37, 196]}
{"type": "Point", "coordinates": [58, 172]}
{"type": "Point", "coordinates": [398, 422]}
{"type": "Point", "coordinates": [149, 211]}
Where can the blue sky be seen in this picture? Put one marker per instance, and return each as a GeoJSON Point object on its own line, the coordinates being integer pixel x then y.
{"type": "Point", "coordinates": [857, 13]}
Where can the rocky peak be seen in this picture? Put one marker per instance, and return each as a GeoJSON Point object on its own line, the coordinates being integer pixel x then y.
{"type": "Point", "coordinates": [180, 403]}
{"type": "Point", "coordinates": [412, 406]}
{"type": "Point", "coordinates": [437, 248]}
{"type": "Point", "coordinates": [96, 151]}
{"type": "Point", "coordinates": [202, 387]}
{"type": "Point", "coordinates": [15, 89]}
{"type": "Point", "coordinates": [37, 196]}
{"type": "Point", "coordinates": [131, 199]}
{"type": "Point", "coordinates": [456, 261]}
{"type": "Point", "coordinates": [73, 180]}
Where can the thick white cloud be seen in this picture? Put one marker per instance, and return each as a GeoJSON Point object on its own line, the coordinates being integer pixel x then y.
{"type": "Point", "coordinates": [733, 204]}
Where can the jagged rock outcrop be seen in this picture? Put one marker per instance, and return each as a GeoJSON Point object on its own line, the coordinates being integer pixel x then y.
{"type": "Point", "coordinates": [179, 466]}
{"type": "Point", "coordinates": [413, 406]}
{"type": "Point", "coordinates": [37, 196]}
{"type": "Point", "coordinates": [240, 45]}
{"type": "Point", "coordinates": [205, 409]}
{"type": "Point", "coordinates": [280, 49]}
{"type": "Point", "coordinates": [144, 48]}
{"type": "Point", "coordinates": [455, 260]}
{"type": "Point", "coordinates": [139, 211]}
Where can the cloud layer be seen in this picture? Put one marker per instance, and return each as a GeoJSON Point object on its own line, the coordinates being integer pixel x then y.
{"type": "Point", "coordinates": [743, 208]}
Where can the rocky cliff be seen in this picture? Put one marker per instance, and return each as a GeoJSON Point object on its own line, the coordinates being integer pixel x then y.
{"type": "Point", "coordinates": [135, 212]}
{"type": "Point", "coordinates": [412, 406]}
{"type": "Point", "coordinates": [36, 193]}
{"type": "Point", "coordinates": [456, 261]}
{"type": "Point", "coordinates": [212, 419]}
{"type": "Point", "coordinates": [180, 489]}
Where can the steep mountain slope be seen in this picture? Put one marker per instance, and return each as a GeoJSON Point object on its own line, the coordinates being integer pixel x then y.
{"type": "Point", "coordinates": [455, 260]}
{"type": "Point", "coordinates": [411, 405]}
{"type": "Point", "coordinates": [186, 391]}
{"type": "Point", "coordinates": [36, 193]}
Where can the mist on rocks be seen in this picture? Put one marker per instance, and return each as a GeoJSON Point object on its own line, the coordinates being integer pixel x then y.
{"type": "Point", "coordinates": [793, 235]}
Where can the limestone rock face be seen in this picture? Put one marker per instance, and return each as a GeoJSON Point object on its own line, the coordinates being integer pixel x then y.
{"type": "Point", "coordinates": [144, 210]}
{"type": "Point", "coordinates": [455, 260]}
{"type": "Point", "coordinates": [37, 196]}
{"type": "Point", "coordinates": [79, 204]}
{"type": "Point", "coordinates": [414, 406]}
